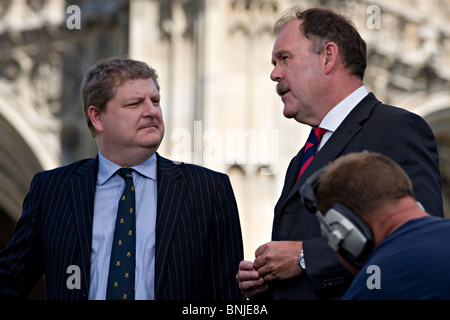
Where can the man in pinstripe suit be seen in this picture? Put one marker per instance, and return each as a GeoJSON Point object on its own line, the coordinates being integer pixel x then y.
{"type": "Point", "coordinates": [188, 236]}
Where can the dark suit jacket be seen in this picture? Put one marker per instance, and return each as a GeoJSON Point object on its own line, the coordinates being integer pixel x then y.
{"type": "Point", "coordinates": [198, 235]}
{"type": "Point", "coordinates": [401, 135]}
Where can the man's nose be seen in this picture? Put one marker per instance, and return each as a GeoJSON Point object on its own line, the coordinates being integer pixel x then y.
{"type": "Point", "coordinates": [276, 74]}
{"type": "Point", "coordinates": [149, 108]}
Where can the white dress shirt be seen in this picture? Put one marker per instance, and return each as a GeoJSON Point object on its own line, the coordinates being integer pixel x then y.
{"type": "Point", "coordinates": [335, 116]}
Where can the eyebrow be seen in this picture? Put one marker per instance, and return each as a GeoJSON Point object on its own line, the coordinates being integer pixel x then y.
{"type": "Point", "coordinates": [278, 54]}
{"type": "Point", "coordinates": [133, 99]}
{"type": "Point", "coordinates": [138, 97]}
{"type": "Point", "coordinates": [155, 96]}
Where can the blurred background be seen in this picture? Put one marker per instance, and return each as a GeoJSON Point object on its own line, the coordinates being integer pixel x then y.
{"type": "Point", "coordinates": [220, 107]}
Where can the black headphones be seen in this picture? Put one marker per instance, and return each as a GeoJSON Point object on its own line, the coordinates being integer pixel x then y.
{"type": "Point", "coordinates": [345, 230]}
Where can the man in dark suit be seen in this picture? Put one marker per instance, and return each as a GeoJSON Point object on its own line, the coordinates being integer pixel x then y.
{"type": "Point", "coordinates": [319, 62]}
{"type": "Point", "coordinates": [185, 220]}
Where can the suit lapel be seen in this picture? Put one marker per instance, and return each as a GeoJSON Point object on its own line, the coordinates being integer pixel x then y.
{"type": "Point", "coordinates": [82, 188]}
{"type": "Point", "coordinates": [171, 192]}
{"type": "Point", "coordinates": [290, 180]}
{"type": "Point", "coordinates": [337, 143]}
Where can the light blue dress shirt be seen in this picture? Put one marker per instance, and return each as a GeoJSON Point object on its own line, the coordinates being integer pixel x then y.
{"type": "Point", "coordinates": [108, 191]}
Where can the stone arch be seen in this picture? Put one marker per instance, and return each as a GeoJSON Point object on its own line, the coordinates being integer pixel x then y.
{"type": "Point", "coordinates": [18, 164]}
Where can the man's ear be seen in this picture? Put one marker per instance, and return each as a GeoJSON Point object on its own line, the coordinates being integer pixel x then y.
{"type": "Point", "coordinates": [330, 58]}
{"type": "Point", "coordinates": [96, 118]}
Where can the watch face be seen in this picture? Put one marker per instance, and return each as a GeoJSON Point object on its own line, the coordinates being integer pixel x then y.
{"type": "Point", "coordinates": [302, 262]}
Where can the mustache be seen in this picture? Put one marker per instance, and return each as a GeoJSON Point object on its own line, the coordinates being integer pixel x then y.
{"type": "Point", "coordinates": [282, 88]}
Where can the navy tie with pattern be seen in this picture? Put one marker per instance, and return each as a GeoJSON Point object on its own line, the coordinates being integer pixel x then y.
{"type": "Point", "coordinates": [123, 258]}
{"type": "Point", "coordinates": [310, 148]}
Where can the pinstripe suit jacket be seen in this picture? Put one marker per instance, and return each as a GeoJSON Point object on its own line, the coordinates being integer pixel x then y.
{"type": "Point", "coordinates": [198, 235]}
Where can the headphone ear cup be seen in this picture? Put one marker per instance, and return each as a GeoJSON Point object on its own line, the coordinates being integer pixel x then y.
{"type": "Point", "coordinates": [357, 242]}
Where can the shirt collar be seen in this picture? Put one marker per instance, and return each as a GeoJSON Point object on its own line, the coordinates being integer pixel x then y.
{"type": "Point", "coordinates": [106, 168]}
{"type": "Point", "coordinates": [335, 116]}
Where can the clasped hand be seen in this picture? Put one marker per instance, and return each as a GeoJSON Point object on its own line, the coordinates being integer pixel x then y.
{"type": "Point", "coordinates": [275, 260]}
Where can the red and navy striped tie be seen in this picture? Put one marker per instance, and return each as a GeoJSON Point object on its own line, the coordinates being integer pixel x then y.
{"type": "Point", "coordinates": [310, 148]}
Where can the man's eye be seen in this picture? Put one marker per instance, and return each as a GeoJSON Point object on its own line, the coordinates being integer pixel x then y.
{"type": "Point", "coordinates": [133, 104]}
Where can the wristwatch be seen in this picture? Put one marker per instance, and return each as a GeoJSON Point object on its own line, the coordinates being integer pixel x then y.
{"type": "Point", "coordinates": [301, 261]}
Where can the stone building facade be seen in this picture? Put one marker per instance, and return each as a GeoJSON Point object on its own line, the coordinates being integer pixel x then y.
{"type": "Point", "coordinates": [219, 104]}
{"type": "Point", "coordinates": [221, 107]}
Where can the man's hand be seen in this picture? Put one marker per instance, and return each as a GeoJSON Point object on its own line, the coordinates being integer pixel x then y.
{"type": "Point", "coordinates": [249, 280]}
{"type": "Point", "coordinates": [277, 260]}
